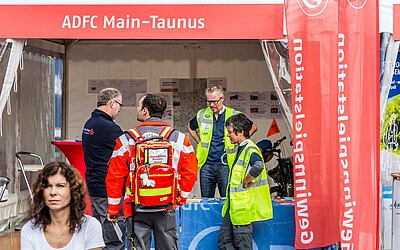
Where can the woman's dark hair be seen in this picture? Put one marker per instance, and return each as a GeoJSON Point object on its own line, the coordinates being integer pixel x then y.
{"type": "Point", "coordinates": [240, 124]}
{"type": "Point", "coordinates": [40, 211]}
{"type": "Point", "coordinates": [155, 104]}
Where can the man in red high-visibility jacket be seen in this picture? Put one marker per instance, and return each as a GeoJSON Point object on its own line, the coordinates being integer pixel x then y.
{"type": "Point", "coordinates": [161, 221]}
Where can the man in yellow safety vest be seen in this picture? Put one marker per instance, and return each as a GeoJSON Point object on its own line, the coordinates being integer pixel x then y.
{"type": "Point", "coordinates": [214, 150]}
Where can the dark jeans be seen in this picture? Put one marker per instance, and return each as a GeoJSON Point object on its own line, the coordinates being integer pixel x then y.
{"type": "Point", "coordinates": [233, 237]}
{"type": "Point", "coordinates": [210, 176]}
{"type": "Point", "coordinates": [110, 236]}
{"type": "Point", "coordinates": [161, 224]}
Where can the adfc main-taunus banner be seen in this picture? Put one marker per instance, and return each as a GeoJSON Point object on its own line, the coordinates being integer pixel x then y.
{"type": "Point", "coordinates": [334, 67]}
{"type": "Point", "coordinates": [312, 33]}
{"type": "Point", "coordinates": [143, 21]}
{"type": "Point", "coordinates": [358, 117]}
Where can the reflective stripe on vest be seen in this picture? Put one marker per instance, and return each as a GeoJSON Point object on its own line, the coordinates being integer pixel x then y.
{"type": "Point", "coordinates": [205, 121]}
{"type": "Point", "coordinates": [255, 184]}
{"type": "Point", "coordinates": [247, 205]}
{"type": "Point", "coordinates": [155, 191]}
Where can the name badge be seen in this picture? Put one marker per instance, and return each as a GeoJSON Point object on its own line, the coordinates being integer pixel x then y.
{"type": "Point", "coordinates": [205, 126]}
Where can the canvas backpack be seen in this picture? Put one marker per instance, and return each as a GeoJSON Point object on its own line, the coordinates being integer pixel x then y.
{"type": "Point", "coordinates": [154, 180]}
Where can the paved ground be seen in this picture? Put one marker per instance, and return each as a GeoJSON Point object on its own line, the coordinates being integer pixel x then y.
{"type": "Point", "coordinates": [10, 241]}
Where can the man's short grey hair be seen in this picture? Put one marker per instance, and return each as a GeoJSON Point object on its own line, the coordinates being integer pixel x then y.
{"type": "Point", "coordinates": [106, 95]}
{"type": "Point", "coordinates": [215, 87]}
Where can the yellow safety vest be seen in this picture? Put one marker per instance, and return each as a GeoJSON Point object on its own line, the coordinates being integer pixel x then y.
{"type": "Point", "coordinates": [247, 205]}
{"type": "Point", "coordinates": [205, 120]}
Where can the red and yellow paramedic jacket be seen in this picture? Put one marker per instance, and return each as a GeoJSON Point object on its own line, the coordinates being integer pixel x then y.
{"type": "Point", "coordinates": [121, 162]}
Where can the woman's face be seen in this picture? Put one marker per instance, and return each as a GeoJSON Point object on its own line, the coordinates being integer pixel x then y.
{"type": "Point", "coordinates": [57, 194]}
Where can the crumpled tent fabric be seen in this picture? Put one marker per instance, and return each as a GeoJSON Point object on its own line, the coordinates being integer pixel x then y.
{"type": "Point", "coordinates": [11, 76]}
{"type": "Point", "coordinates": [280, 76]}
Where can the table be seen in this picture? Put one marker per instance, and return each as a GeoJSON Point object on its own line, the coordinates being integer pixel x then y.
{"type": "Point", "coordinates": [198, 225]}
{"type": "Point", "coordinates": [73, 151]}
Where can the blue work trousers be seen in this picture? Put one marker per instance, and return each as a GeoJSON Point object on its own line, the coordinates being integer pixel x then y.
{"type": "Point", "coordinates": [210, 177]}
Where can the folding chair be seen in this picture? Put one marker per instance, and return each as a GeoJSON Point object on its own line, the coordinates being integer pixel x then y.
{"type": "Point", "coordinates": [29, 167]}
{"type": "Point", "coordinates": [4, 180]}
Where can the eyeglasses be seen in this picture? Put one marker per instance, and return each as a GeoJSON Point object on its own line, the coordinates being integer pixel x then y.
{"type": "Point", "coordinates": [214, 101]}
{"type": "Point", "coordinates": [120, 104]}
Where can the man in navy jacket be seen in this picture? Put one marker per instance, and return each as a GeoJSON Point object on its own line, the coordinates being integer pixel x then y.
{"type": "Point", "coordinates": [98, 141]}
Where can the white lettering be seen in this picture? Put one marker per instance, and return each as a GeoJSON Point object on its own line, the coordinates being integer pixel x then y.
{"type": "Point", "coordinates": [300, 134]}
{"type": "Point", "coordinates": [306, 237]}
{"type": "Point", "coordinates": [66, 23]}
{"type": "Point", "coordinates": [75, 22]}
{"type": "Point", "coordinates": [346, 234]}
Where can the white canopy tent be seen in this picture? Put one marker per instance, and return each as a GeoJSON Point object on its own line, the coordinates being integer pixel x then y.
{"type": "Point", "coordinates": [13, 207]}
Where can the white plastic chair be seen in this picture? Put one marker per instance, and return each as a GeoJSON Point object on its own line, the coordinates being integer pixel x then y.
{"type": "Point", "coordinates": [29, 167]}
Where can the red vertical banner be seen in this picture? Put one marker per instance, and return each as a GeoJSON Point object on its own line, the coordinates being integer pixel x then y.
{"type": "Point", "coordinates": [358, 123]}
{"type": "Point", "coordinates": [312, 34]}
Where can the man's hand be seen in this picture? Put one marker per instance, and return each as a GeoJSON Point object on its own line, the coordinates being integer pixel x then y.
{"type": "Point", "coordinates": [112, 218]}
{"type": "Point", "coordinates": [182, 201]}
{"type": "Point", "coordinates": [194, 134]}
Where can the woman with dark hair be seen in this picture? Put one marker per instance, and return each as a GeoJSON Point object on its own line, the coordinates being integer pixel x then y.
{"type": "Point", "coordinates": [57, 213]}
{"type": "Point", "coordinates": [247, 196]}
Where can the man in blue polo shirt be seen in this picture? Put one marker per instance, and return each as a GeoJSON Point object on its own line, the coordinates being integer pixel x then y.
{"type": "Point", "coordinates": [98, 141]}
{"type": "Point", "coordinates": [214, 150]}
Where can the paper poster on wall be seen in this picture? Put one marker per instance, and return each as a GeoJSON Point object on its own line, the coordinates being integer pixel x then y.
{"type": "Point", "coordinates": [186, 105]}
{"type": "Point", "coordinates": [273, 98]}
{"type": "Point", "coordinates": [128, 87]}
{"type": "Point", "coordinates": [260, 97]}
{"type": "Point", "coordinates": [238, 100]}
{"type": "Point", "coordinates": [199, 84]}
{"type": "Point", "coordinates": [176, 84]}
{"type": "Point", "coordinates": [255, 104]}
{"type": "Point", "coordinates": [258, 112]}
{"type": "Point", "coordinates": [190, 84]}
{"type": "Point", "coordinates": [94, 86]}
{"type": "Point", "coordinates": [168, 114]}
{"type": "Point", "coordinates": [223, 81]}
{"type": "Point", "coordinates": [259, 105]}
{"type": "Point", "coordinates": [275, 111]}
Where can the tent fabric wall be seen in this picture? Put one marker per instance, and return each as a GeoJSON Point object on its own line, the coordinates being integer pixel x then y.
{"type": "Point", "coordinates": [241, 62]}
{"type": "Point", "coordinates": [7, 150]}
{"type": "Point", "coordinates": [29, 127]}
